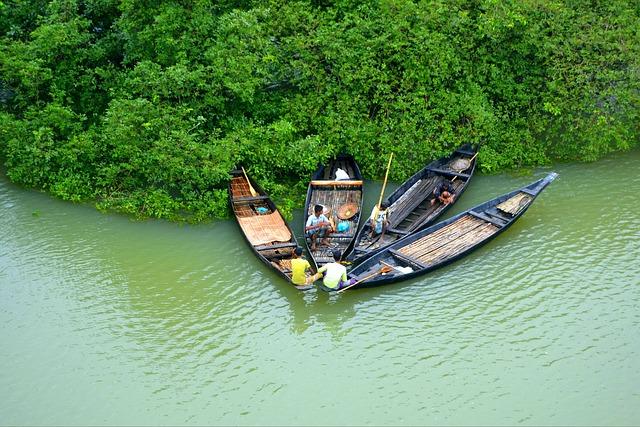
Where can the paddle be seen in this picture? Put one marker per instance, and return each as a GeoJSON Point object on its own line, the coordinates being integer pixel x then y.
{"type": "Point", "coordinates": [383, 270]}
{"type": "Point", "coordinates": [254, 193]}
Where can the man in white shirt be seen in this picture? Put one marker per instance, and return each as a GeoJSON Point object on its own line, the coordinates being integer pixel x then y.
{"type": "Point", "coordinates": [317, 225]}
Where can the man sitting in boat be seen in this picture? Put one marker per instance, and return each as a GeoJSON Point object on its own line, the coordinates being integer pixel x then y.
{"type": "Point", "coordinates": [317, 226]}
{"type": "Point", "coordinates": [335, 274]}
{"type": "Point", "coordinates": [299, 268]}
{"type": "Point", "coordinates": [443, 192]}
{"type": "Point", "coordinates": [379, 219]}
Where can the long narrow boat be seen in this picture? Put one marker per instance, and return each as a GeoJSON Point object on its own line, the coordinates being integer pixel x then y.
{"type": "Point", "coordinates": [262, 224]}
{"type": "Point", "coordinates": [410, 207]}
{"type": "Point", "coordinates": [448, 240]}
{"type": "Point", "coordinates": [342, 200]}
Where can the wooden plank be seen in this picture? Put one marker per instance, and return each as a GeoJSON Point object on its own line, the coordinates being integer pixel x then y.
{"type": "Point", "coordinates": [482, 216]}
{"type": "Point", "coordinates": [406, 258]}
{"type": "Point", "coordinates": [465, 152]}
{"type": "Point", "coordinates": [276, 246]}
{"type": "Point", "coordinates": [497, 217]}
{"type": "Point", "coordinates": [529, 192]}
{"type": "Point", "coordinates": [249, 199]}
{"type": "Point", "coordinates": [330, 183]}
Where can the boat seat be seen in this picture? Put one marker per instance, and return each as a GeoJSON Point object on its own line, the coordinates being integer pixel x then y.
{"type": "Point", "coordinates": [486, 218]}
{"type": "Point", "coordinates": [407, 259]}
{"type": "Point", "coordinates": [529, 192]}
{"type": "Point", "coordinates": [465, 152]}
{"type": "Point", "coordinates": [276, 246]}
{"type": "Point", "coordinates": [249, 199]}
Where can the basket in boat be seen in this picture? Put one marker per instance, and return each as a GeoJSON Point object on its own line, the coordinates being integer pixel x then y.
{"type": "Point", "coordinates": [348, 210]}
{"type": "Point", "coordinates": [460, 164]}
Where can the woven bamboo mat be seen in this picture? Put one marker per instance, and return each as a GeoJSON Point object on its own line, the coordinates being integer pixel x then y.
{"type": "Point", "coordinates": [263, 229]}
{"type": "Point", "coordinates": [449, 240]}
{"type": "Point", "coordinates": [515, 204]}
{"type": "Point", "coordinates": [240, 187]}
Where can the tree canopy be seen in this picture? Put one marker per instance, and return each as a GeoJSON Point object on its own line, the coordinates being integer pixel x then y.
{"type": "Point", "coordinates": [144, 106]}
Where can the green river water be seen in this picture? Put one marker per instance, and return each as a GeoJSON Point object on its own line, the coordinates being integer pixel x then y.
{"type": "Point", "coordinates": [106, 320]}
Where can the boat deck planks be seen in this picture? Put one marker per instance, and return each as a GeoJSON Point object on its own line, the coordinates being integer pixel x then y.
{"type": "Point", "coordinates": [514, 204]}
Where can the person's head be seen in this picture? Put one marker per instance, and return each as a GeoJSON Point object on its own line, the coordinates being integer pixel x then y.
{"type": "Point", "coordinates": [317, 210]}
{"type": "Point", "coordinates": [384, 205]}
{"type": "Point", "coordinates": [337, 255]}
{"type": "Point", "coordinates": [297, 252]}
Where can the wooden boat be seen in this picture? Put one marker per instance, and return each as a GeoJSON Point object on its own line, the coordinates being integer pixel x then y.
{"type": "Point", "coordinates": [262, 224]}
{"type": "Point", "coordinates": [447, 241]}
{"type": "Point", "coordinates": [410, 207]}
{"type": "Point", "coordinates": [342, 199]}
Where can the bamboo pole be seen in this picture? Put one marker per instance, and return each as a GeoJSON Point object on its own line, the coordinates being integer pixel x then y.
{"type": "Point", "coordinates": [434, 244]}
{"type": "Point", "coordinates": [441, 233]}
{"type": "Point", "coordinates": [384, 184]}
{"type": "Point", "coordinates": [457, 246]}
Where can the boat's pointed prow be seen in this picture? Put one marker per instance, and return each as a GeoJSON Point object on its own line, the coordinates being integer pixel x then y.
{"type": "Point", "coordinates": [544, 182]}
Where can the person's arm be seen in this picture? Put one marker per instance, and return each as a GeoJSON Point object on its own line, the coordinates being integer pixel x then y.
{"type": "Point", "coordinates": [323, 268]}
{"type": "Point", "coordinates": [344, 275]}
{"type": "Point", "coordinates": [372, 218]}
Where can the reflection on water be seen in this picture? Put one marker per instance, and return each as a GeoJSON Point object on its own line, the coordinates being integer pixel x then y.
{"type": "Point", "coordinates": [106, 320]}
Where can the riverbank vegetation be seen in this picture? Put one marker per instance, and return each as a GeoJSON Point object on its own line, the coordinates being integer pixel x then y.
{"type": "Point", "coordinates": [144, 106]}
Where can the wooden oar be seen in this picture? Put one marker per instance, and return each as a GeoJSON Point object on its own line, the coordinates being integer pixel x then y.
{"type": "Point", "coordinates": [383, 270]}
{"type": "Point", "coordinates": [254, 193]}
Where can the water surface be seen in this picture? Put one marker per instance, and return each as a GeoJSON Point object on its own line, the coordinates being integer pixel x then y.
{"type": "Point", "coordinates": [105, 320]}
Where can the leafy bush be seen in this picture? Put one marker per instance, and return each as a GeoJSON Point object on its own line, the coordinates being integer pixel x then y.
{"type": "Point", "coordinates": [144, 107]}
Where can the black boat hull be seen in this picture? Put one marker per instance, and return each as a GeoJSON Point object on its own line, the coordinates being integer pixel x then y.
{"type": "Point", "coordinates": [407, 221]}
{"type": "Point", "coordinates": [483, 212]}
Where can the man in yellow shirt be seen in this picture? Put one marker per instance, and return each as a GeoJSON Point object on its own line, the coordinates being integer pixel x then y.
{"type": "Point", "coordinates": [299, 267]}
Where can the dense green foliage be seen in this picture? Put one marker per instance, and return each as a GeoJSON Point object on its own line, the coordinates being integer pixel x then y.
{"type": "Point", "coordinates": [145, 106]}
